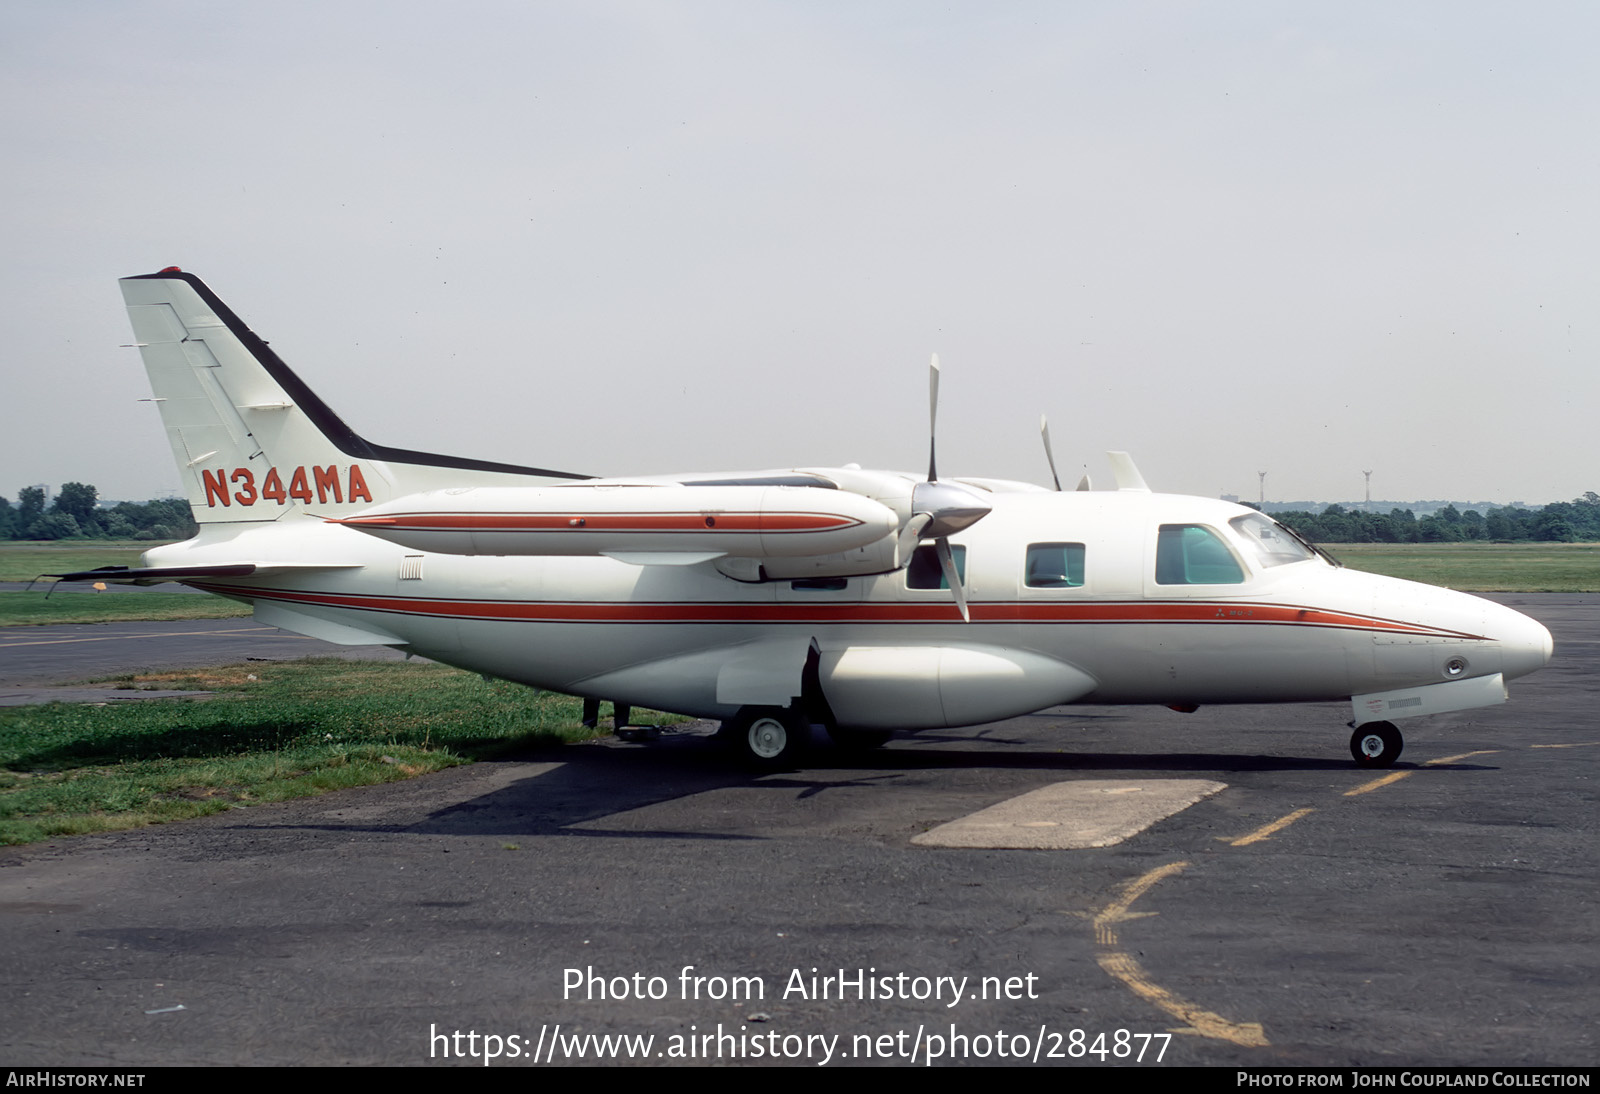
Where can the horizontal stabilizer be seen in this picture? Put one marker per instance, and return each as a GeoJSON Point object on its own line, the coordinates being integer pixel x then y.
{"type": "Point", "coordinates": [154, 575]}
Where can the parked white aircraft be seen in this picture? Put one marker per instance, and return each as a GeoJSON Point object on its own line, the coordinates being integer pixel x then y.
{"type": "Point", "coordinates": [776, 600]}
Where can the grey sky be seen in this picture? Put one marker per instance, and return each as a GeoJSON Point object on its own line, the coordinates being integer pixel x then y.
{"type": "Point", "coordinates": [647, 237]}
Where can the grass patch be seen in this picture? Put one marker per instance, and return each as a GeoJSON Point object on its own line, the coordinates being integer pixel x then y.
{"type": "Point", "coordinates": [24, 560]}
{"type": "Point", "coordinates": [27, 560]}
{"type": "Point", "coordinates": [1482, 567]}
{"type": "Point", "coordinates": [32, 609]}
{"type": "Point", "coordinates": [275, 731]}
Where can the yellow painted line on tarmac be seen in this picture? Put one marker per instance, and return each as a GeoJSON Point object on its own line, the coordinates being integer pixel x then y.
{"type": "Point", "coordinates": [1267, 831]}
{"type": "Point", "coordinates": [1121, 966]}
{"type": "Point", "coordinates": [1117, 910]}
{"type": "Point", "coordinates": [1396, 776]}
{"type": "Point", "coordinates": [1457, 759]}
{"type": "Point", "coordinates": [1575, 744]}
{"type": "Point", "coordinates": [1377, 784]}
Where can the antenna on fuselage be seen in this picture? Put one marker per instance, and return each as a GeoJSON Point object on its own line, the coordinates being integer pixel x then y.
{"type": "Point", "coordinates": [1126, 473]}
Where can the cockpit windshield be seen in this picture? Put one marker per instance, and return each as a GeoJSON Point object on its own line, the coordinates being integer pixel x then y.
{"type": "Point", "coordinates": [1273, 544]}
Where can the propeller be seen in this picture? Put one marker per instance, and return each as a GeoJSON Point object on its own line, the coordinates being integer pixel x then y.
{"type": "Point", "coordinates": [941, 509]}
{"type": "Point", "coordinates": [1044, 431]}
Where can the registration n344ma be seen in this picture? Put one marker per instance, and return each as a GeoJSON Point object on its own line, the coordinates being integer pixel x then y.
{"type": "Point", "coordinates": [777, 600]}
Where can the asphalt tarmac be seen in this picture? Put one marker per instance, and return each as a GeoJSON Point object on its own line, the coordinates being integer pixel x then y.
{"type": "Point", "coordinates": [41, 664]}
{"type": "Point", "coordinates": [1310, 912]}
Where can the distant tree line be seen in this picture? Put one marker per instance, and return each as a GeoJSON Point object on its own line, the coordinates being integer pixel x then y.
{"type": "Point", "coordinates": [1576, 521]}
{"type": "Point", "coordinates": [76, 514]}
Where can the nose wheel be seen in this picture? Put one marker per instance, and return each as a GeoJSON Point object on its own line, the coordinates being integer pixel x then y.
{"type": "Point", "coordinates": [1376, 744]}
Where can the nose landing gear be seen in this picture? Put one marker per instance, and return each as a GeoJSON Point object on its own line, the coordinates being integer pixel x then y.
{"type": "Point", "coordinates": [1376, 744]}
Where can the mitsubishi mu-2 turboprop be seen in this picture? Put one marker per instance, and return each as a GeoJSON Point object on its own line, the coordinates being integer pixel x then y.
{"type": "Point", "coordinates": [862, 601]}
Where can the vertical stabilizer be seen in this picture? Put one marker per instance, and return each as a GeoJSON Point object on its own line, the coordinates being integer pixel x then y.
{"type": "Point", "coordinates": [252, 442]}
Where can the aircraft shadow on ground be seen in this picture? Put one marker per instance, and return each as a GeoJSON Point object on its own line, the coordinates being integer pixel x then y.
{"type": "Point", "coordinates": [594, 783]}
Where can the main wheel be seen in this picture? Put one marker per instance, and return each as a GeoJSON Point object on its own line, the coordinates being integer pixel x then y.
{"type": "Point", "coordinates": [1376, 744]}
{"type": "Point", "coordinates": [771, 738]}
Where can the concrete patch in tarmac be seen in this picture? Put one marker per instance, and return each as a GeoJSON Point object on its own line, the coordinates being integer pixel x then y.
{"type": "Point", "coordinates": [1072, 815]}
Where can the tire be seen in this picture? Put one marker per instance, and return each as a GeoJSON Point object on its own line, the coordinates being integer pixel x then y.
{"type": "Point", "coordinates": [1376, 744]}
{"type": "Point", "coordinates": [771, 738]}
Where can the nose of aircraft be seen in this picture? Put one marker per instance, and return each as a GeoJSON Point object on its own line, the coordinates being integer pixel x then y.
{"type": "Point", "coordinates": [1521, 645]}
{"type": "Point", "coordinates": [1525, 644]}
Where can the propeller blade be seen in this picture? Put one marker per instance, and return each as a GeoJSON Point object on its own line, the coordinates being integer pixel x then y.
{"type": "Point", "coordinates": [1044, 431]}
{"type": "Point", "coordinates": [910, 535]}
{"type": "Point", "coordinates": [939, 509]}
{"type": "Point", "coordinates": [952, 577]}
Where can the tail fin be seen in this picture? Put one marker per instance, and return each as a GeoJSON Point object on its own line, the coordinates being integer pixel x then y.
{"type": "Point", "coordinates": [251, 440]}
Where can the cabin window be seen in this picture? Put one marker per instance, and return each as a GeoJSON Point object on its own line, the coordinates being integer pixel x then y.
{"type": "Point", "coordinates": [1055, 565]}
{"type": "Point", "coordinates": [820, 584]}
{"type": "Point", "coordinates": [1192, 554]}
{"type": "Point", "coordinates": [1271, 542]}
{"type": "Point", "coordinates": [925, 571]}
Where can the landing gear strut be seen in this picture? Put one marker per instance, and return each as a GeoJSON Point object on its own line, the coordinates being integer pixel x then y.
{"type": "Point", "coordinates": [1376, 744]}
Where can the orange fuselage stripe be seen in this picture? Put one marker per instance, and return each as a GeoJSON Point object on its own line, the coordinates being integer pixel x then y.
{"type": "Point", "coordinates": [1140, 612]}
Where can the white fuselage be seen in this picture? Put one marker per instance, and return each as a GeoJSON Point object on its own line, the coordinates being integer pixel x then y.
{"type": "Point", "coordinates": [864, 600]}
{"type": "Point", "coordinates": [665, 636]}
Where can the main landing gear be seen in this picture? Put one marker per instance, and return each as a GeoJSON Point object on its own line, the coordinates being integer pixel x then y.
{"type": "Point", "coordinates": [769, 738]}
{"type": "Point", "coordinates": [775, 738]}
{"type": "Point", "coordinates": [1376, 744]}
